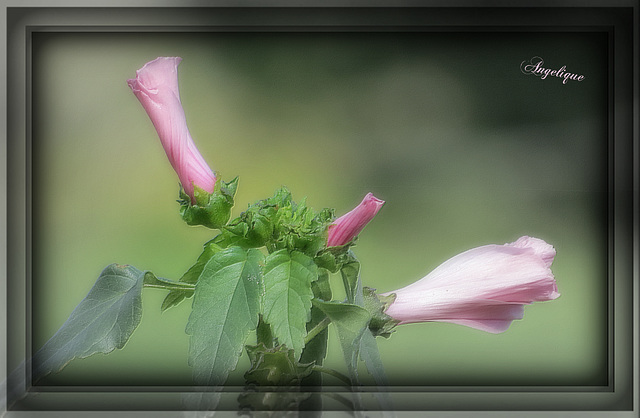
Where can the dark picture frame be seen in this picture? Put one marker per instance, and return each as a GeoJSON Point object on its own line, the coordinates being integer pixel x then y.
{"type": "Point", "coordinates": [619, 22]}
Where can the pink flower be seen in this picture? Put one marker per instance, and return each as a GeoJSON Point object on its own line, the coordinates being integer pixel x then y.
{"type": "Point", "coordinates": [484, 288]}
{"type": "Point", "coordinates": [348, 226]}
{"type": "Point", "coordinates": [156, 86]}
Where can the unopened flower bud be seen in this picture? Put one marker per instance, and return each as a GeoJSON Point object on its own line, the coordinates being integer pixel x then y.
{"type": "Point", "coordinates": [348, 226]}
{"type": "Point", "coordinates": [156, 86]}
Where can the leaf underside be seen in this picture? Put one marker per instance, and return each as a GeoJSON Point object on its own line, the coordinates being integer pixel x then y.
{"type": "Point", "coordinates": [102, 322]}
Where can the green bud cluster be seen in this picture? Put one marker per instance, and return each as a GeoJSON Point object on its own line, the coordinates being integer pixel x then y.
{"type": "Point", "coordinates": [279, 223]}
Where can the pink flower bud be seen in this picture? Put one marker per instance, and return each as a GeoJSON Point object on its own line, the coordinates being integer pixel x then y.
{"type": "Point", "coordinates": [156, 86]}
{"type": "Point", "coordinates": [348, 226]}
{"type": "Point", "coordinates": [484, 288]}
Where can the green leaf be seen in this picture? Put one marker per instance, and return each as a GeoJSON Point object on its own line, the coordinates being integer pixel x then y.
{"type": "Point", "coordinates": [287, 300]}
{"type": "Point", "coordinates": [350, 323]}
{"type": "Point", "coordinates": [263, 334]}
{"type": "Point", "coordinates": [371, 356]}
{"type": "Point", "coordinates": [174, 297]}
{"type": "Point", "coordinates": [225, 308]}
{"type": "Point", "coordinates": [322, 287]}
{"type": "Point", "coordinates": [102, 322]}
{"type": "Point", "coordinates": [191, 276]}
{"type": "Point", "coordinates": [315, 350]}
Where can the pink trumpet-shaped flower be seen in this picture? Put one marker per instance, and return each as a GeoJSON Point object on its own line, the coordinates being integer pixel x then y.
{"type": "Point", "coordinates": [156, 86]}
{"type": "Point", "coordinates": [348, 226]}
{"type": "Point", "coordinates": [484, 288]}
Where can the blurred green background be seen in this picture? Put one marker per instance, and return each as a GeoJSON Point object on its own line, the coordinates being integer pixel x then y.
{"type": "Point", "coordinates": [465, 149]}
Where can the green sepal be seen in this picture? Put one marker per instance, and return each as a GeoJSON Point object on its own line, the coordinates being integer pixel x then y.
{"type": "Point", "coordinates": [275, 366]}
{"type": "Point", "coordinates": [327, 260]}
{"type": "Point", "coordinates": [381, 324]}
{"type": "Point", "coordinates": [252, 229]}
{"type": "Point", "coordinates": [212, 210]}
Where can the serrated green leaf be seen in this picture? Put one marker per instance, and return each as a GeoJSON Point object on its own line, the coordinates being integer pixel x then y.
{"type": "Point", "coordinates": [350, 323]}
{"type": "Point", "coordinates": [191, 276]}
{"type": "Point", "coordinates": [102, 322]}
{"type": "Point", "coordinates": [287, 299]}
{"type": "Point", "coordinates": [226, 306]}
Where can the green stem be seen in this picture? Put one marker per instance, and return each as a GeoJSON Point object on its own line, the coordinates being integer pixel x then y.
{"type": "Point", "coordinates": [151, 280]}
{"type": "Point", "coordinates": [332, 372]}
{"type": "Point", "coordinates": [347, 288]}
{"type": "Point", "coordinates": [170, 286]}
{"type": "Point", "coordinates": [317, 330]}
